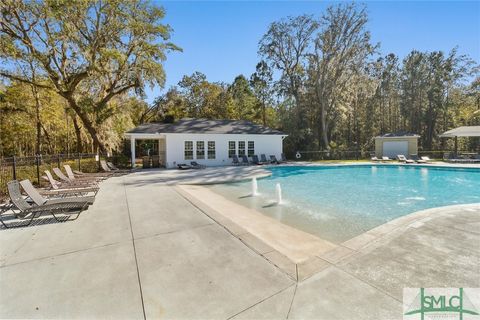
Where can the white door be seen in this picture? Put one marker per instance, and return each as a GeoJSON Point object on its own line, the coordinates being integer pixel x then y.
{"type": "Point", "coordinates": [393, 148]}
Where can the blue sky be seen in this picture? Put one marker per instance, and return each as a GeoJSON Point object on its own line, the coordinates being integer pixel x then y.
{"type": "Point", "coordinates": [220, 39]}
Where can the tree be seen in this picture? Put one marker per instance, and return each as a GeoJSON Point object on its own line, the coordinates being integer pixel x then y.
{"type": "Point", "coordinates": [261, 83]}
{"type": "Point", "coordinates": [88, 52]}
{"type": "Point", "coordinates": [341, 50]}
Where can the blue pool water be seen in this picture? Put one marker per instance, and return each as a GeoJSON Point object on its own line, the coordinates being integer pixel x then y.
{"type": "Point", "coordinates": [338, 203]}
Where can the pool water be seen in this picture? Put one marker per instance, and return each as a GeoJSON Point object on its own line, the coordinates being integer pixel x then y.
{"type": "Point", "coordinates": [339, 202]}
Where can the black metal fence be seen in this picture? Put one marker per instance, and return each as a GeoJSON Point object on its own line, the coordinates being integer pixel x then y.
{"type": "Point", "coordinates": [33, 168]}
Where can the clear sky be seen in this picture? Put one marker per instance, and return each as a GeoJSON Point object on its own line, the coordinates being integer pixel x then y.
{"type": "Point", "coordinates": [220, 39]}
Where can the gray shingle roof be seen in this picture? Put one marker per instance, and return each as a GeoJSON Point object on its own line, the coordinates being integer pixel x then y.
{"type": "Point", "coordinates": [398, 134]}
{"type": "Point", "coordinates": [188, 125]}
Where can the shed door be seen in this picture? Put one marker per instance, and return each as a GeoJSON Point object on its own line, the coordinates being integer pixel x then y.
{"type": "Point", "coordinates": [393, 148]}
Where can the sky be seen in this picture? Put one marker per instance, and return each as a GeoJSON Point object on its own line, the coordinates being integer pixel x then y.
{"type": "Point", "coordinates": [220, 38]}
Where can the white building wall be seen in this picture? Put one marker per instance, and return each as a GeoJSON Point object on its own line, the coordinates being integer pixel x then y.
{"type": "Point", "coordinates": [264, 144]}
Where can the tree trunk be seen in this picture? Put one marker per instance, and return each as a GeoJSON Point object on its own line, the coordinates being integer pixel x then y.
{"type": "Point", "coordinates": [86, 123]}
{"type": "Point", "coordinates": [38, 143]}
{"type": "Point", "coordinates": [323, 123]}
{"type": "Point", "coordinates": [78, 134]}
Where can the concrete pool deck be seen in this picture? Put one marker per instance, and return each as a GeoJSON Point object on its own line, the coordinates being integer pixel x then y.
{"type": "Point", "coordinates": [144, 251]}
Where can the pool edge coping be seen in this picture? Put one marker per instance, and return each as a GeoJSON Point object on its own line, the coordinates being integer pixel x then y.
{"type": "Point", "coordinates": [316, 263]}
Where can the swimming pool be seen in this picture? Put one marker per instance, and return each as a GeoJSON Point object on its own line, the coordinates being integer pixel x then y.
{"type": "Point", "coordinates": [339, 202]}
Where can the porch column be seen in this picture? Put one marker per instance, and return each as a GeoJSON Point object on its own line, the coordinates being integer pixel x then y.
{"type": "Point", "coordinates": [132, 149]}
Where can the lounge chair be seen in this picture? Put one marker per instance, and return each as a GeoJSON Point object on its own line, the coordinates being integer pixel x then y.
{"type": "Point", "coordinates": [66, 179]}
{"type": "Point", "coordinates": [196, 165]}
{"type": "Point", "coordinates": [403, 159]}
{"type": "Point", "coordinates": [106, 168]}
{"type": "Point", "coordinates": [183, 166]}
{"type": "Point", "coordinates": [245, 161]}
{"type": "Point", "coordinates": [417, 159]}
{"type": "Point", "coordinates": [235, 161]}
{"type": "Point", "coordinates": [375, 159]}
{"type": "Point", "coordinates": [263, 159]}
{"type": "Point", "coordinates": [29, 212]}
{"type": "Point", "coordinates": [114, 168]}
{"type": "Point", "coordinates": [77, 189]}
{"type": "Point", "coordinates": [283, 157]}
{"type": "Point", "coordinates": [84, 176]}
{"type": "Point", "coordinates": [385, 159]}
{"type": "Point", "coordinates": [426, 159]}
{"type": "Point", "coordinates": [273, 159]}
{"type": "Point", "coordinates": [39, 200]}
{"type": "Point", "coordinates": [255, 160]}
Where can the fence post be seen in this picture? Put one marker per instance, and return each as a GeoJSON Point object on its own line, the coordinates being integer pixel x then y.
{"type": "Point", "coordinates": [79, 161]}
{"type": "Point", "coordinates": [37, 162]}
{"type": "Point", "coordinates": [14, 167]}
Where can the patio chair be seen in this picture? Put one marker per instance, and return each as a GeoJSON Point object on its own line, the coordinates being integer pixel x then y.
{"type": "Point", "coordinates": [426, 159]}
{"type": "Point", "coordinates": [245, 161]}
{"type": "Point", "coordinates": [66, 179]}
{"type": "Point", "coordinates": [417, 159]}
{"type": "Point", "coordinates": [83, 176]}
{"type": "Point", "coordinates": [403, 159]}
{"type": "Point", "coordinates": [39, 200]}
{"type": "Point", "coordinates": [235, 161]}
{"type": "Point", "coordinates": [255, 160]}
{"type": "Point", "coordinates": [27, 211]}
{"type": "Point", "coordinates": [283, 158]}
{"type": "Point", "coordinates": [273, 159]}
{"type": "Point", "coordinates": [263, 159]}
{"type": "Point", "coordinates": [106, 168]}
{"type": "Point", "coordinates": [114, 168]}
{"type": "Point", "coordinates": [77, 189]}
{"type": "Point", "coordinates": [196, 165]}
{"type": "Point", "coordinates": [374, 159]}
{"type": "Point", "coordinates": [386, 159]}
{"type": "Point", "coordinates": [183, 166]}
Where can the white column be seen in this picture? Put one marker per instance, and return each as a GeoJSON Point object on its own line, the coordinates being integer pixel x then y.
{"type": "Point", "coordinates": [132, 149]}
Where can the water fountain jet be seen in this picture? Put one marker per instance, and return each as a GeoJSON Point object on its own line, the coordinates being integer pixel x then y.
{"type": "Point", "coordinates": [278, 193]}
{"type": "Point", "coordinates": [254, 187]}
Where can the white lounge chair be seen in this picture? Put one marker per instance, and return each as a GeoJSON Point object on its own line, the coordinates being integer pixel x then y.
{"type": "Point", "coordinates": [386, 159]}
{"type": "Point", "coordinates": [375, 159]}
{"type": "Point", "coordinates": [426, 159]}
{"type": "Point", "coordinates": [403, 159]}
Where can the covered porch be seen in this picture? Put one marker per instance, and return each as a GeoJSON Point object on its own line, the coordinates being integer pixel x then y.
{"type": "Point", "coordinates": [150, 149]}
{"type": "Point", "coordinates": [462, 132]}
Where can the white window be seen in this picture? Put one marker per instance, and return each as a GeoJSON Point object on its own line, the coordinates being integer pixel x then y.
{"type": "Point", "coordinates": [200, 150]}
{"type": "Point", "coordinates": [241, 148]}
{"type": "Point", "coordinates": [251, 148]}
{"type": "Point", "coordinates": [211, 150]}
{"type": "Point", "coordinates": [188, 151]}
{"type": "Point", "coordinates": [231, 149]}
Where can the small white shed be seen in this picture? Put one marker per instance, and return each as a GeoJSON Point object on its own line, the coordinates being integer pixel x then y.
{"type": "Point", "coordinates": [208, 142]}
{"type": "Point", "coordinates": [393, 144]}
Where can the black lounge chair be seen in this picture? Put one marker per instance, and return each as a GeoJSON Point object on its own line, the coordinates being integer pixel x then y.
{"type": "Point", "coordinates": [196, 165]}
{"type": "Point", "coordinates": [283, 157]}
{"type": "Point", "coordinates": [263, 159]}
{"type": "Point", "coordinates": [39, 200]}
{"type": "Point", "coordinates": [183, 166]}
{"type": "Point", "coordinates": [235, 161]}
{"type": "Point", "coordinates": [25, 211]}
{"type": "Point", "coordinates": [245, 161]}
{"type": "Point", "coordinates": [255, 160]}
{"type": "Point", "coordinates": [273, 159]}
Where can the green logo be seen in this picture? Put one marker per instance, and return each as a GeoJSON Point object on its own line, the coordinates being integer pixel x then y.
{"type": "Point", "coordinates": [441, 302]}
